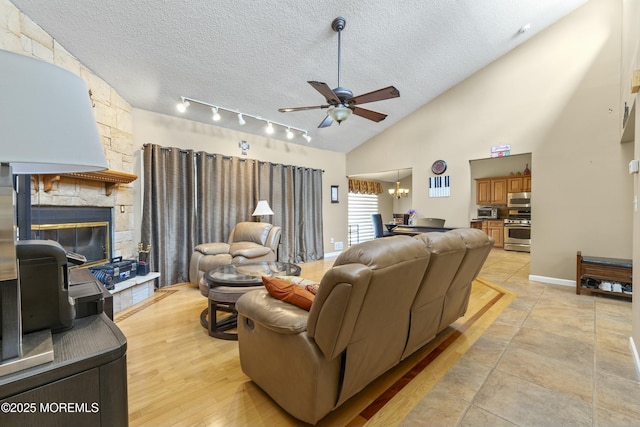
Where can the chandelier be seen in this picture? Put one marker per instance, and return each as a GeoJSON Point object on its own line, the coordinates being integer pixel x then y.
{"type": "Point", "coordinates": [397, 193]}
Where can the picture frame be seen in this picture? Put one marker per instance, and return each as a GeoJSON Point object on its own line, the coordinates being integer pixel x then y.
{"type": "Point", "coordinates": [334, 194]}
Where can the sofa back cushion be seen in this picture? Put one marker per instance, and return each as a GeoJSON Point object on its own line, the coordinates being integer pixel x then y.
{"type": "Point", "coordinates": [256, 232]}
{"type": "Point", "coordinates": [362, 307]}
{"type": "Point", "coordinates": [478, 246]}
{"type": "Point", "coordinates": [447, 251]}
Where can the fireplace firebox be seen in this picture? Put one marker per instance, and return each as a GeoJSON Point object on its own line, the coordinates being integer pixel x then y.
{"type": "Point", "coordinates": [84, 230]}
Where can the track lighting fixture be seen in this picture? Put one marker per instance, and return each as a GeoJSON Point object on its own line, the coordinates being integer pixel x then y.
{"type": "Point", "coordinates": [215, 109]}
{"type": "Point", "coordinates": [216, 115]}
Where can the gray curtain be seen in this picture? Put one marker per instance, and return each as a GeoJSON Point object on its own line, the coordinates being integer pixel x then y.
{"type": "Point", "coordinates": [192, 198]}
{"type": "Point", "coordinates": [295, 196]}
{"type": "Point", "coordinates": [168, 213]}
{"type": "Point", "coordinates": [227, 194]}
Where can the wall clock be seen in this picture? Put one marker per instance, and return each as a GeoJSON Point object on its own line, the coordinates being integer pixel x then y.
{"type": "Point", "coordinates": [438, 167]}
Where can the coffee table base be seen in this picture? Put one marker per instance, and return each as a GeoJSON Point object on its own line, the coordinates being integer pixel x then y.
{"type": "Point", "coordinates": [225, 284]}
{"type": "Point", "coordinates": [218, 329]}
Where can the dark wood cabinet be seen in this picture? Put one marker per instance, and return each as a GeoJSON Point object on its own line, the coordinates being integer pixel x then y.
{"type": "Point", "coordinates": [85, 385]}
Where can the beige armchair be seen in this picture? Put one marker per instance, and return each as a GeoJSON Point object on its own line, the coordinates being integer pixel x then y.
{"type": "Point", "coordinates": [248, 242]}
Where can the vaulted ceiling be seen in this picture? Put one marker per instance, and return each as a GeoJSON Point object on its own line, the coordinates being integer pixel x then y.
{"type": "Point", "coordinates": [257, 56]}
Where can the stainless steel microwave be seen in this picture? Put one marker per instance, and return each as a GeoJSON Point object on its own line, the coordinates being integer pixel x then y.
{"type": "Point", "coordinates": [487, 212]}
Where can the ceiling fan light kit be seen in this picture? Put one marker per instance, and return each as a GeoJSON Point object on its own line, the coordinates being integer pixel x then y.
{"type": "Point", "coordinates": [340, 101]}
{"type": "Point", "coordinates": [185, 102]}
{"type": "Point", "coordinates": [339, 113]}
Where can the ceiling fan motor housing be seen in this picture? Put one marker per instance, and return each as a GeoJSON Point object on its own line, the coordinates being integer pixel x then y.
{"type": "Point", "coordinates": [343, 94]}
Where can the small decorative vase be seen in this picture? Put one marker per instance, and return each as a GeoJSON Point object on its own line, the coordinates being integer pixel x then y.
{"type": "Point", "coordinates": [526, 170]}
{"type": "Point", "coordinates": [412, 219]}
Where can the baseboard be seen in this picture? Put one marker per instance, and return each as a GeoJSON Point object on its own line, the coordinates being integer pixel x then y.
{"type": "Point", "coordinates": [636, 358]}
{"type": "Point", "coordinates": [552, 280]}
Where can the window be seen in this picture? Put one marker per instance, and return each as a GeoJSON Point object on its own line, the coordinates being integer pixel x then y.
{"type": "Point", "coordinates": [361, 206]}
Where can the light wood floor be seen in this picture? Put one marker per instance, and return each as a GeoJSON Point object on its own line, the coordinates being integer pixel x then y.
{"type": "Point", "coordinates": [178, 375]}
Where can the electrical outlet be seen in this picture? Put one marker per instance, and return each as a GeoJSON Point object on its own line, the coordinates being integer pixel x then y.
{"type": "Point", "coordinates": [338, 246]}
{"type": "Point", "coordinates": [332, 240]}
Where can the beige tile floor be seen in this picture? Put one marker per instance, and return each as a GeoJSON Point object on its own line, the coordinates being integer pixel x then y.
{"type": "Point", "coordinates": [551, 358]}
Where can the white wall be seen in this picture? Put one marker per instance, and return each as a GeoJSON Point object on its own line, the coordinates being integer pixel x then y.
{"type": "Point", "coordinates": [171, 131]}
{"type": "Point", "coordinates": [630, 62]}
{"type": "Point", "coordinates": [557, 97]}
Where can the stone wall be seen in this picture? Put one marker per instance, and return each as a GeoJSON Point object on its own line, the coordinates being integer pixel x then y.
{"type": "Point", "coordinates": [20, 34]}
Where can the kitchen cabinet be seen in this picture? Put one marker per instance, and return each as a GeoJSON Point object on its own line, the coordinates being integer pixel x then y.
{"type": "Point", "coordinates": [483, 192]}
{"type": "Point", "coordinates": [491, 191]}
{"type": "Point", "coordinates": [518, 184]}
{"type": "Point", "coordinates": [493, 229]}
{"type": "Point", "coordinates": [592, 271]}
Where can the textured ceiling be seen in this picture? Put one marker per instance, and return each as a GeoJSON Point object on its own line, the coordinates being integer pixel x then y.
{"type": "Point", "coordinates": [256, 57]}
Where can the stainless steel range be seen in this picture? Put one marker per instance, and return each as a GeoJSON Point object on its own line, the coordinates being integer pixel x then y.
{"type": "Point", "coordinates": [517, 226]}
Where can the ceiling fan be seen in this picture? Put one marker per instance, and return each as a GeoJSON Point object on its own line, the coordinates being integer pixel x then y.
{"type": "Point", "coordinates": [340, 101]}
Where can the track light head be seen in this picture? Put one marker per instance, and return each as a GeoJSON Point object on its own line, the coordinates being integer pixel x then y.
{"type": "Point", "coordinates": [289, 133]}
{"type": "Point", "coordinates": [216, 115]}
{"type": "Point", "coordinates": [183, 105]}
{"type": "Point", "coordinates": [306, 137]}
{"type": "Point", "coordinates": [269, 128]}
{"type": "Point", "coordinates": [241, 120]}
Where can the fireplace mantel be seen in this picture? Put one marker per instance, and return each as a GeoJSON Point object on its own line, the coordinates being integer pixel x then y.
{"type": "Point", "coordinates": [110, 178]}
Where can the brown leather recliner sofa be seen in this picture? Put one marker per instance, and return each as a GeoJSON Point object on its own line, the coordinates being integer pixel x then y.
{"type": "Point", "coordinates": [248, 242]}
{"type": "Point", "coordinates": [380, 302]}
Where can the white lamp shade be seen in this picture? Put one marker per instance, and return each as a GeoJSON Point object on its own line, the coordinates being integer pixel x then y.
{"type": "Point", "coordinates": [47, 124]}
{"type": "Point", "coordinates": [262, 209]}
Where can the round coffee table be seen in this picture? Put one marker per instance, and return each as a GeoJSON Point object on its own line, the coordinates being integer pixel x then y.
{"type": "Point", "coordinates": [224, 285]}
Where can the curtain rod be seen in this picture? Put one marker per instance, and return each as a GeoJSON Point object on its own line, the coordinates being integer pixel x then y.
{"type": "Point", "coordinates": [197, 153]}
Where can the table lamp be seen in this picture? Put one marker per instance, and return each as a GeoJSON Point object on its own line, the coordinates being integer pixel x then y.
{"type": "Point", "coordinates": [47, 126]}
{"type": "Point", "coordinates": [262, 209]}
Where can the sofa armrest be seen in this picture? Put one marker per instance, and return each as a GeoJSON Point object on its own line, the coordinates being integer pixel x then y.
{"type": "Point", "coordinates": [215, 248]}
{"type": "Point", "coordinates": [271, 313]}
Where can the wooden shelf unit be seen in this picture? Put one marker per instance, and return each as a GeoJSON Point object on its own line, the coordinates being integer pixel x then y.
{"type": "Point", "coordinates": [602, 269]}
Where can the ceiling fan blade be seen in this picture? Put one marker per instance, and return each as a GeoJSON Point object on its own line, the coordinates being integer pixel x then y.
{"type": "Point", "coordinates": [325, 91]}
{"type": "Point", "coordinates": [368, 114]}
{"type": "Point", "coordinates": [328, 121]}
{"type": "Point", "coordinates": [376, 95]}
{"type": "Point", "coordinates": [288, 110]}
